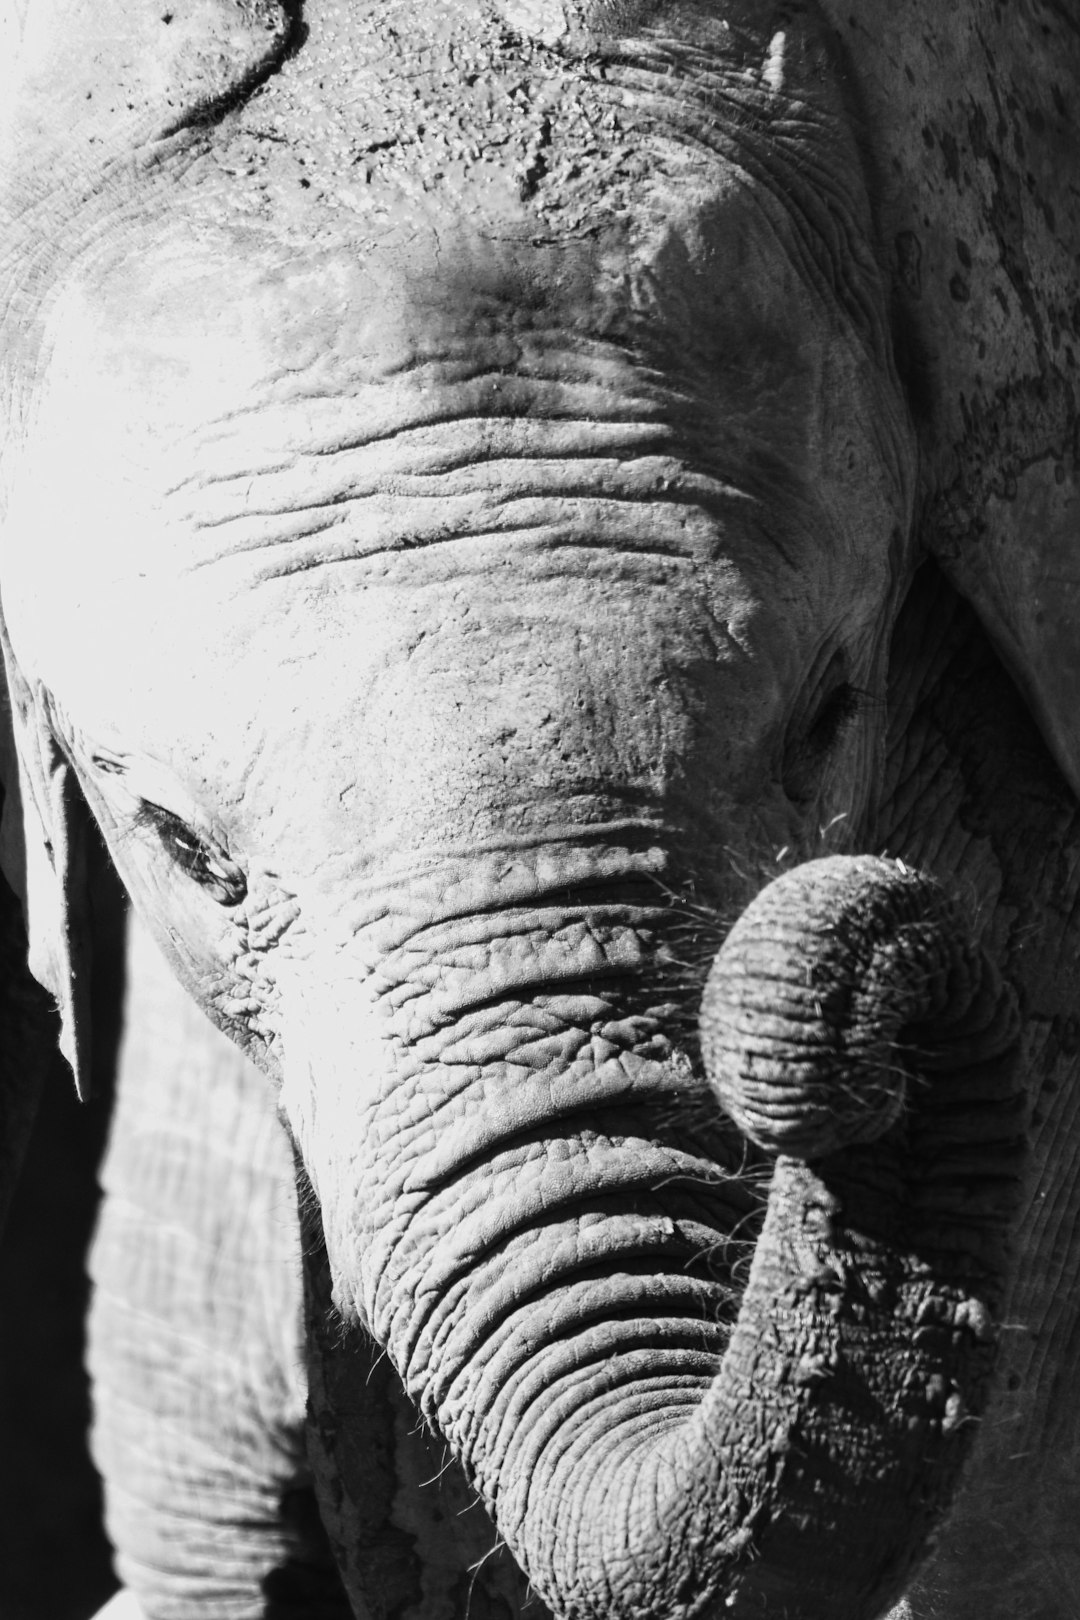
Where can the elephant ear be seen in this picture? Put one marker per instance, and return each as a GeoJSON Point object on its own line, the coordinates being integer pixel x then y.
{"type": "Point", "coordinates": [971, 113]}
{"type": "Point", "coordinates": [87, 87]}
{"type": "Point", "coordinates": [84, 82]}
{"type": "Point", "coordinates": [43, 847]}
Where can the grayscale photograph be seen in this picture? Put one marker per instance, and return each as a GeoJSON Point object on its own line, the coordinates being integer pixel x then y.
{"type": "Point", "coordinates": [540, 844]}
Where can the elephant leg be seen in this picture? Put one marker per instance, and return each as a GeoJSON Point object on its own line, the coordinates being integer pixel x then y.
{"type": "Point", "coordinates": [196, 1324]}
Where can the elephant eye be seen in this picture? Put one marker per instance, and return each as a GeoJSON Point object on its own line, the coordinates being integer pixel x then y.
{"type": "Point", "coordinates": [810, 744]}
{"type": "Point", "coordinates": [200, 860]}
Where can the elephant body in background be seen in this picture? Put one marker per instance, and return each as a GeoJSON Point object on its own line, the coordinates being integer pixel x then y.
{"type": "Point", "coordinates": [547, 495]}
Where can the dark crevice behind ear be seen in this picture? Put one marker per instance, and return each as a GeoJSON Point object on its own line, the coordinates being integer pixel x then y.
{"type": "Point", "coordinates": [43, 852]}
{"type": "Point", "coordinates": [28, 1035]}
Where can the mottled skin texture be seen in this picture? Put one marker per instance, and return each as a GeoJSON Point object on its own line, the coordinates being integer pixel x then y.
{"type": "Point", "coordinates": [1004, 825]}
{"type": "Point", "coordinates": [974, 138]}
{"type": "Point", "coordinates": [488, 476]}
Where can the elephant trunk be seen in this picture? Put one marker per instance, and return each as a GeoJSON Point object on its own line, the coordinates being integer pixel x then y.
{"type": "Point", "coordinates": [555, 1286]}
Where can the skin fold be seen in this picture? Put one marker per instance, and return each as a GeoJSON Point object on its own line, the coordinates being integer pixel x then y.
{"type": "Point", "coordinates": [491, 487]}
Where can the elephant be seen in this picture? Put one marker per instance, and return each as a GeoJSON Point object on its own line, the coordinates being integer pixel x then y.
{"type": "Point", "coordinates": [541, 534]}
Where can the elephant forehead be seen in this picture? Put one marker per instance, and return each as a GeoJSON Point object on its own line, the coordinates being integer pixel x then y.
{"type": "Point", "coordinates": [207, 400]}
{"type": "Point", "coordinates": [705, 300]}
{"type": "Point", "coordinates": [245, 519]}
{"type": "Point", "coordinates": [554, 118]}
{"type": "Point", "coordinates": [630, 634]}
{"type": "Point", "coordinates": [243, 353]}
{"type": "Point", "coordinates": [682, 232]}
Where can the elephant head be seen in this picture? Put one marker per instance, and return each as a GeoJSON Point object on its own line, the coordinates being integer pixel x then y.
{"type": "Point", "coordinates": [470, 442]}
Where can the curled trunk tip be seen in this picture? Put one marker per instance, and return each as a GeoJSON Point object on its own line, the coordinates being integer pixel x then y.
{"type": "Point", "coordinates": [842, 980]}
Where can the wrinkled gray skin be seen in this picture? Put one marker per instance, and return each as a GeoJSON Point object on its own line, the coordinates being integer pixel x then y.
{"type": "Point", "coordinates": [460, 490]}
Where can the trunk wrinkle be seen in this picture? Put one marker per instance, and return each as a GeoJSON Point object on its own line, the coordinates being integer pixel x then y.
{"type": "Point", "coordinates": [660, 1438]}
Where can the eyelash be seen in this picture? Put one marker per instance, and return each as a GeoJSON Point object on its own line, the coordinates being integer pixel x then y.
{"type": "Point", "coordinates": [807, 753]}
{"type": "Point", "coordinates": [843, 707]}
{"type": "Point", "coordinates": [209, 868]}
